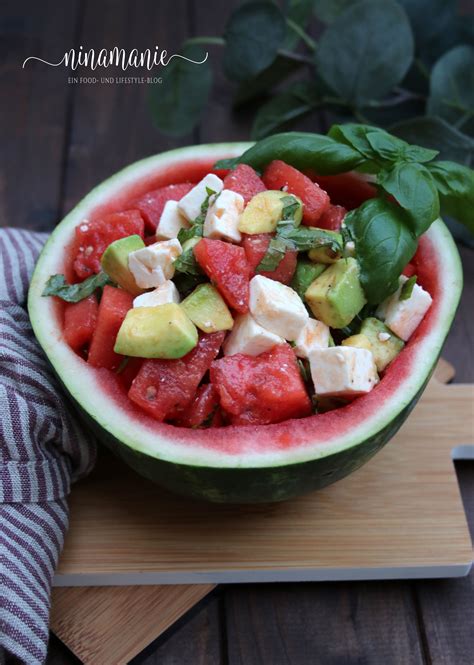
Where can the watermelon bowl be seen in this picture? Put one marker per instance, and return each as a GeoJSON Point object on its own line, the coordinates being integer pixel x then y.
{"type": "Point", "coordinates": [241, 463]}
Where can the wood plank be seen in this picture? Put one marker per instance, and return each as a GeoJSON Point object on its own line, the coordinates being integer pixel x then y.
{"type": "Point", "coordinates": [338, 623]}
{"type": "Point", "coordinates": [198, 641]}
{"type": "Point", "coordinates": [446, 606]}
{"type": "Point", "coordinates": [112, 124]}
{"type": "Point", "coordinates": [112, 625]}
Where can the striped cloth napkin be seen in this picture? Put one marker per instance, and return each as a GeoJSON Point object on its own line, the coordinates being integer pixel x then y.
{"type": "Point", "coordinates": [43, 448]}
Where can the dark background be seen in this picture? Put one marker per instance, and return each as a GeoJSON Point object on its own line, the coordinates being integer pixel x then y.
{"type": "Point", "coordinates": [58, 141]}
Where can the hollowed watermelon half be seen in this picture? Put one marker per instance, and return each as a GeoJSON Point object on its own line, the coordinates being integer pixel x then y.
{"type": "Point", "coordinates": [239, 463]}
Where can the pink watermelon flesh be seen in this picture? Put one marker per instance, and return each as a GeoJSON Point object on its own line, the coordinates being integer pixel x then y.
{"type": "Point", "coordinates": [292, 433]}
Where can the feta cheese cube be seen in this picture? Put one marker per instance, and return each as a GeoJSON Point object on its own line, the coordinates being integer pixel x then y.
{"type": "Point", "coordinates": [190, 204]}
{"type": "Point", "coordinates": [314, 335]}
{"type": "Point", "coordinates": [171, 222]}
{"type": "Point", "coordinates": [404, 316]}
{"type": "Point", "coordinates": [277, 307]}
{"type": "Point", "coordinates": [343, 371]}
{"type": "Point", "coordinates": [153, 265]}
{"type": "Point", "coordinates": [222, 218]}
{"type": "Point", "coordinates": [162, 295]}
{"type": "Point", "coordinates": [249, 337]}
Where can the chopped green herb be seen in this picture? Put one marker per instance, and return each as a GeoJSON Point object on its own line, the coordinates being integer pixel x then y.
{"type": "Point", "coordinates": [57, 286]}
{"type": "Point", "coordinates": [122, 365]}
{"type": "Point", "coordinates": [186, 263]}
{"type": "Point", "coordinates": [196, 228]}
{"type": "Point", "coordinates": [407, 288]}
{"type": "Point", "coordinates": [274, 254]}
{"type": "Point", "coordinates": [291, 205]}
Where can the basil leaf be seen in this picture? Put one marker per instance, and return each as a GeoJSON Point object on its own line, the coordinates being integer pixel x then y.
{"type": "Point", "coordinates": [384, 245]}
{"type": "Point", "coordinates": [253, 35]}
{"type": "Point", "coordinates": [302, 150]}
{"type": "Point", "coordinates": [57, 286]}
{"type": "Point", "coordinates": [355, 135]}
{"type": "Point", "coordinates": [413, 187]}
{"type": "Point", "coordinates": [407, 288]}
{"type": "Point", "coordinates": [452, 88]}
{"type": "Point", "coordinates": [366, 51]}
{"type": "Point", "coordinates": [185, 283]}
{"type": "Point", "coordinates": [274, 255]}
{"type": "Point", "coordinates": [291, 205]}
{"type": "Point", "coordinates": [455, 185]}
{"type": "Point", "coordinates": [304, 238]}
{"type": "Point", "coordinates": [436, 133]}
{"type": "Point", "coordinates": [186, 263]}
{"type": "Point", "coordinates": [178, 102]}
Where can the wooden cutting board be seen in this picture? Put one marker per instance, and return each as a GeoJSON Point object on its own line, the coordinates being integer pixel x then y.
{"type": "Point", "coordinates": [399, 516]}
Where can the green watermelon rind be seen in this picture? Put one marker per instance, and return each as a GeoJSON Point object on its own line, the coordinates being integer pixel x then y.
{"type": "Point", "coordinates": [179, 459]}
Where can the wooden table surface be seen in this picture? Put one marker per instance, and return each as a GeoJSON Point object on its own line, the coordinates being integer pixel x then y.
{"type": "Point", "coordinates": [59, 140]}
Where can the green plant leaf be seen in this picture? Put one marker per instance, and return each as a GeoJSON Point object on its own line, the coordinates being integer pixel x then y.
{"type": "Point", "coordinates": [178, 102]}
{"type": "Point", "coordinates": [384, 245]}
{"type": "Point", "coordinates": [295, 102]}
{"type": "Point", "coordinates": [300, 12]}
{"type": "Point", "coordinates": [262, 84]}
{"type": "Point", "coordinates": [414, 189]}
{"type": "Point", "coordinates": [253, 34]}
{"type": "Point", "coordinates": [438, 25]}
{"type": "Point", "coordinates": [455, 184]}
{"type": "Point", "coordinates": [329, 10]}
{"type": "Point", "coordinates": [366, 51]}
{"type": "Point", "coordinates": [303, 150]}
{"type": "Point", "coordinates": [433, 132]}
{"type": "Point", "coordinates": [57, 286]}
{"type": "Point", "coordinates": [452, 88]}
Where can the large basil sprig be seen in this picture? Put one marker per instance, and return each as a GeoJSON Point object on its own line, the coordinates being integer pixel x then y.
{"type": "Point", "coordinates": [412, 188]}
{"type": "Point", "coordinates": [300, 149]}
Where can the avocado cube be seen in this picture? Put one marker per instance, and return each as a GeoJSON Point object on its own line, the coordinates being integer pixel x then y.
{"type": "Point", "coordinates": [207, 309]}
{"type": "Point", "coordinates": [359, 341]}
{"type": "Point", "coordinates": [114, 262]}
{"type": "Point", "coordinates": [164, 331]}
{"type": "Point", "coordinates": [325, 254]}
{"type": "Point", "coordinates": [336, 296]}
{"type": "Point", "coordinates": [264, 211]}
{"type": "Point", "coordinates": [385, 345]}
{"type": "Point", "coordinates": [305, 273]}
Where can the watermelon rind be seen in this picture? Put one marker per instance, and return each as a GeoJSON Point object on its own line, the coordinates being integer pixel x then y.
{"type": "Point", "coordinates": [245, 463]}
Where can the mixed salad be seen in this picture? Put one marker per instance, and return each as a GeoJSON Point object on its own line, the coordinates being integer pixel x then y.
{"type": "Point", "coordinates": [262, 292]}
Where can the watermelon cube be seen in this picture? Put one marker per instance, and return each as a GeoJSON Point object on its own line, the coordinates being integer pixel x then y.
{"type": "Point", "coordinates": [279, 175]}
{"type": "Point", "coordinates": [226, 266]}
{"type": "Point", "coordinates": [80, 319]}
{"type": "Point", "coordinates": [93, 238]}
{"type": "Point", "coordinates": [166, 388]}
{"type": "Point", "coordinates": [256, 246]}
{"type": "Point", "coordinates": [245, 181]}
{"type": "Point", "coordinates": [151, 204]}
{"type": "Point", "coordinates": [113, 307]}
{"type": "Point", "coordinates": [263, 389]}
